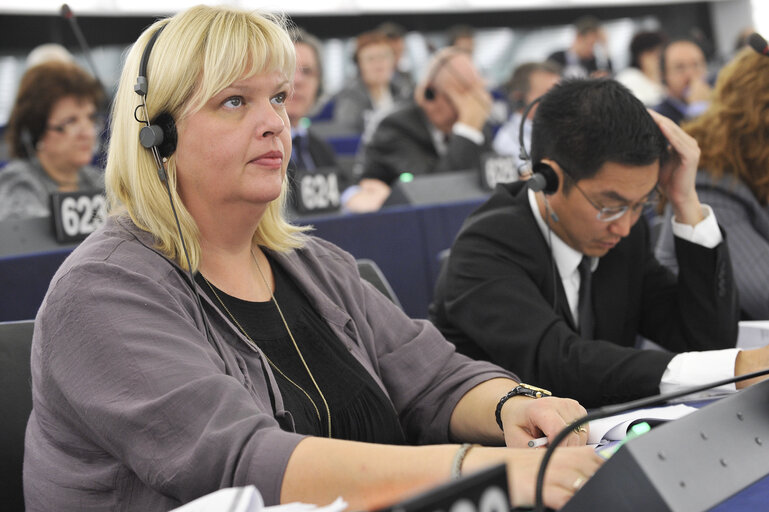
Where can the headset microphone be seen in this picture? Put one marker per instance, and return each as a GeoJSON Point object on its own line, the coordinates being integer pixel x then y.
{"type": "Point", "coordinates": [759, 44]}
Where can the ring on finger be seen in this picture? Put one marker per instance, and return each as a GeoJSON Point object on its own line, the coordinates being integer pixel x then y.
{"type": "Point", "coordinates": [579, 429]}
{"type": "Point", "coordinates": [578, 483]}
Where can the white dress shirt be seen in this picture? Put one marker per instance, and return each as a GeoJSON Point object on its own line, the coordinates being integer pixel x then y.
{"type": "Point", "coordinates": [685, 369]}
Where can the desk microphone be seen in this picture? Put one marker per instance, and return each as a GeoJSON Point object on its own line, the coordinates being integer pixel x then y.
{"type": "Point", "coordinates": [758, 43]}
{"type": "Point", "coordinates": [611, 410]}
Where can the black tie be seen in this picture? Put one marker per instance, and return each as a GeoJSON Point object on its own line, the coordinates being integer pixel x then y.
{"type": "Point", "coordinates": [298, 153]}
{"type": "Point", "coordinates": [585, 299]}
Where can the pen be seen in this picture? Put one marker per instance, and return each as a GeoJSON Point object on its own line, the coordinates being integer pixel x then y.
{"type": "Point", "coordinates": [536, 443]}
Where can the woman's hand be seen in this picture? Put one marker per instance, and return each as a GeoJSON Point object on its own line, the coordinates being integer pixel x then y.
{"type": "Point", "coordinates": [526, 418]}
{"type": "Point", "coordinates": [567, 472]}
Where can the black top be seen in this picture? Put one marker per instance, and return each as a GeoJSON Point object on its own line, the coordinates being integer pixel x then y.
{"type": "Point", "coordinates": [360, 411]}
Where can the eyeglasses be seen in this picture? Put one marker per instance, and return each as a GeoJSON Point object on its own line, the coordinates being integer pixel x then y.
{"type": "Point", "coordinates": [73, 125]}
{"type": "Point", "coordinates": [611, 213]}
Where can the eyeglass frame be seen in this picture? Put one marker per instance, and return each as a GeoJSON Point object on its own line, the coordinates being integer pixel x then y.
{"type": "Point", "coordinates": [96, 119]}
{"type": "Point", "coordinates": [612, 213]}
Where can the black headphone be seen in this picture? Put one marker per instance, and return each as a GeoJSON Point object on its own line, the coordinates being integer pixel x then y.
{"type": "Point", "coordinates": [543, 177]}
{"type": "Point", "coordinates": [159, 136]}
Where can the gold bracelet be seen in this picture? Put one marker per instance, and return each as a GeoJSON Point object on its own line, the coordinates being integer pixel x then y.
{"type": "Point", "coordinates": [459, 457]}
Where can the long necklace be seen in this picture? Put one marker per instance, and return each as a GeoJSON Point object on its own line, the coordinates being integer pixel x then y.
{"type": "Point", "coordinates": [290, 335]}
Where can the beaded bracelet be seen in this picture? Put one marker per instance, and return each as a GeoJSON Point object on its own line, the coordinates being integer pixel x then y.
{"type": "Point", "coordinates": [459, 457]}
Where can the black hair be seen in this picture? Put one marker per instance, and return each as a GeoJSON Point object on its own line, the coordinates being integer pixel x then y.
{"type": "Point", "coordinates": [643, 42]}
{"type": "Point", "coordinates": [584, 123]}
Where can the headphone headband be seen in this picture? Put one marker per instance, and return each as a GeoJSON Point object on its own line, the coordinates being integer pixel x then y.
{"type": "Point", "coordinates": [141, 81]}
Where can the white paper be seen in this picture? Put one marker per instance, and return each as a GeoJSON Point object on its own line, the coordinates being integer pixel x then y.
{"type": "Point", "coordinates": [753, 334]}
{"type": "Point", "coordinates": [235, 499]}
{"type": "Point", "coordinates": [248, 499]}
{"type": "Point", "coordinates": [614, 428]}
{"type": "Point", "coordinates": [338, 505]}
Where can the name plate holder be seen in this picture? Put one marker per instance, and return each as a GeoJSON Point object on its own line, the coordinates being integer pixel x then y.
{"type": "Point", "coordinates": [75, 215]}
{"type": "Point", "coordinates": [497, 169]}
{"type": "Point", "coordinates": [317, 191]}
{"type": "Point", "coordinates": [483, 491]}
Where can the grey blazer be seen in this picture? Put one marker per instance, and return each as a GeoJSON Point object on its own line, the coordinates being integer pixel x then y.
{"type": "Point", "coordinates": [133, 408]}
{"type": "Point", "coordinates": [746, 221]}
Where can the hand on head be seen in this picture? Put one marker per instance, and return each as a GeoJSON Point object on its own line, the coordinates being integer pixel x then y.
{"type": "Point", "coordinates": [678, 173]}
{"type": "Point", "coordinates": [470, 99]}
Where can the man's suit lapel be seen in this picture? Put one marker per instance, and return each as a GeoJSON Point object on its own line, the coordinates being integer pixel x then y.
{"type": "Point", "coordinates": [551, 271]}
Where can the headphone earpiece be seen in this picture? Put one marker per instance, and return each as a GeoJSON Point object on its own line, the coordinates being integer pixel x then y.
{"type": "Point", "coordinates": [543, 179]}
{"type": "Point", "coordinates": [429, 93]}
{"type": "Point", "coordinates": [167, 145]}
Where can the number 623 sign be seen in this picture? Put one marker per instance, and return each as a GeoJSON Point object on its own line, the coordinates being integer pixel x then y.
{"type": "Point", "coordinates": [76, 215]}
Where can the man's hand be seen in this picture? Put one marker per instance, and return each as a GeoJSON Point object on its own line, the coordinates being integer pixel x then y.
{"type": "Point", "coordinates": [698, 91]}
{"type": "Point", "coordinates": [526, 418]}
{"type": "Point", "coordinates": [678, 173]}
{"type": "Point", "coordinates": [749, 361]}
{"type": "Point", "coordinates": [471, 100]}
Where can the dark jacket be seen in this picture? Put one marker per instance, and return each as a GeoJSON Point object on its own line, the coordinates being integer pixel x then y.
{"type": "Point", "coordinates": [495, 300]}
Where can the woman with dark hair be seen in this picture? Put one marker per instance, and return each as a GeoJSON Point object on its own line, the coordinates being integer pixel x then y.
{"type": "Point", "coordinates": [52, 134]}
{"type": "Point", "coordinates": [644, 76]}
{"type": "Point", "coordinates": [733, 135]}
{"type": "Point", "coordinates": [372, 90]}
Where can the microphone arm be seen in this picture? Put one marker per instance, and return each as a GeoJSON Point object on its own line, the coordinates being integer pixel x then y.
{"type": "Point", "coordinates": [611, 410]}
{"type": "Point", "coordinates": [67, 13]}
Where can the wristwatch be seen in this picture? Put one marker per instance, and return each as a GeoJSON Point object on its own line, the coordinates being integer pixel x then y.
{"type": "Point", "coordinates": [522, 390]}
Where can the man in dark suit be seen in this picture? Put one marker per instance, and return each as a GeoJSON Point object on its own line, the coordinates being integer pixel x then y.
{"type": "Point", "coordinates": [309, 151]}
{"type": "Point", "coordinates": [557, 287]}
{"type": "Point", "coordinates": [443, 130]}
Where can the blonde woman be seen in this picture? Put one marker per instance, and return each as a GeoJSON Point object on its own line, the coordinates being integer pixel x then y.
{"type": "Point", "coordinates": [274, 364]}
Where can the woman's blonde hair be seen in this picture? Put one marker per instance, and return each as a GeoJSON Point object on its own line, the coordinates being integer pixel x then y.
{"type": "Point", "coordinates": [733, 134]}
{"type": "Point", "coordinates": [200, 52]}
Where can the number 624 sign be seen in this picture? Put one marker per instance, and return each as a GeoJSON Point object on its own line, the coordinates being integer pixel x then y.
{"type": "Point", "coordinates": [76, 215]}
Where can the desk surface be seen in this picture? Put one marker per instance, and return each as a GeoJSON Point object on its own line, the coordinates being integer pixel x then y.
{"type": "Point", "coordinates": [404, 241]}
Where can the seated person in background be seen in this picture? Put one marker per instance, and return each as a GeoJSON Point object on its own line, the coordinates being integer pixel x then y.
{"type": "Point", "coordinates": [396, 35]}
{"type": "Point", "coordinates": [309, 151]}
{"type": "Point", "coordinates": [52, 134]}
{"type": "Point", "coordinates": [558, 287]}
{"type": "Point", "coordinates": [684, 72]}
{"type": "Point", "coordinates": [48, 52]}
{"type": "Point", "coordinates": [443, 130]}
{"type": "Point", "coordinates": [372, 91]}
{"type": "Point", "coordinates": [588, 54]}
{"type": "Point", "coordinates": [462, 37]}
{"type": "Point", "coordinates": [734, 175]}
{"type": "Point", "coordinates": [528, 82]}
{"type": "Point", "coordinates": [275, 365]}
{"type": "Point", "coordinates": [644, 75]}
